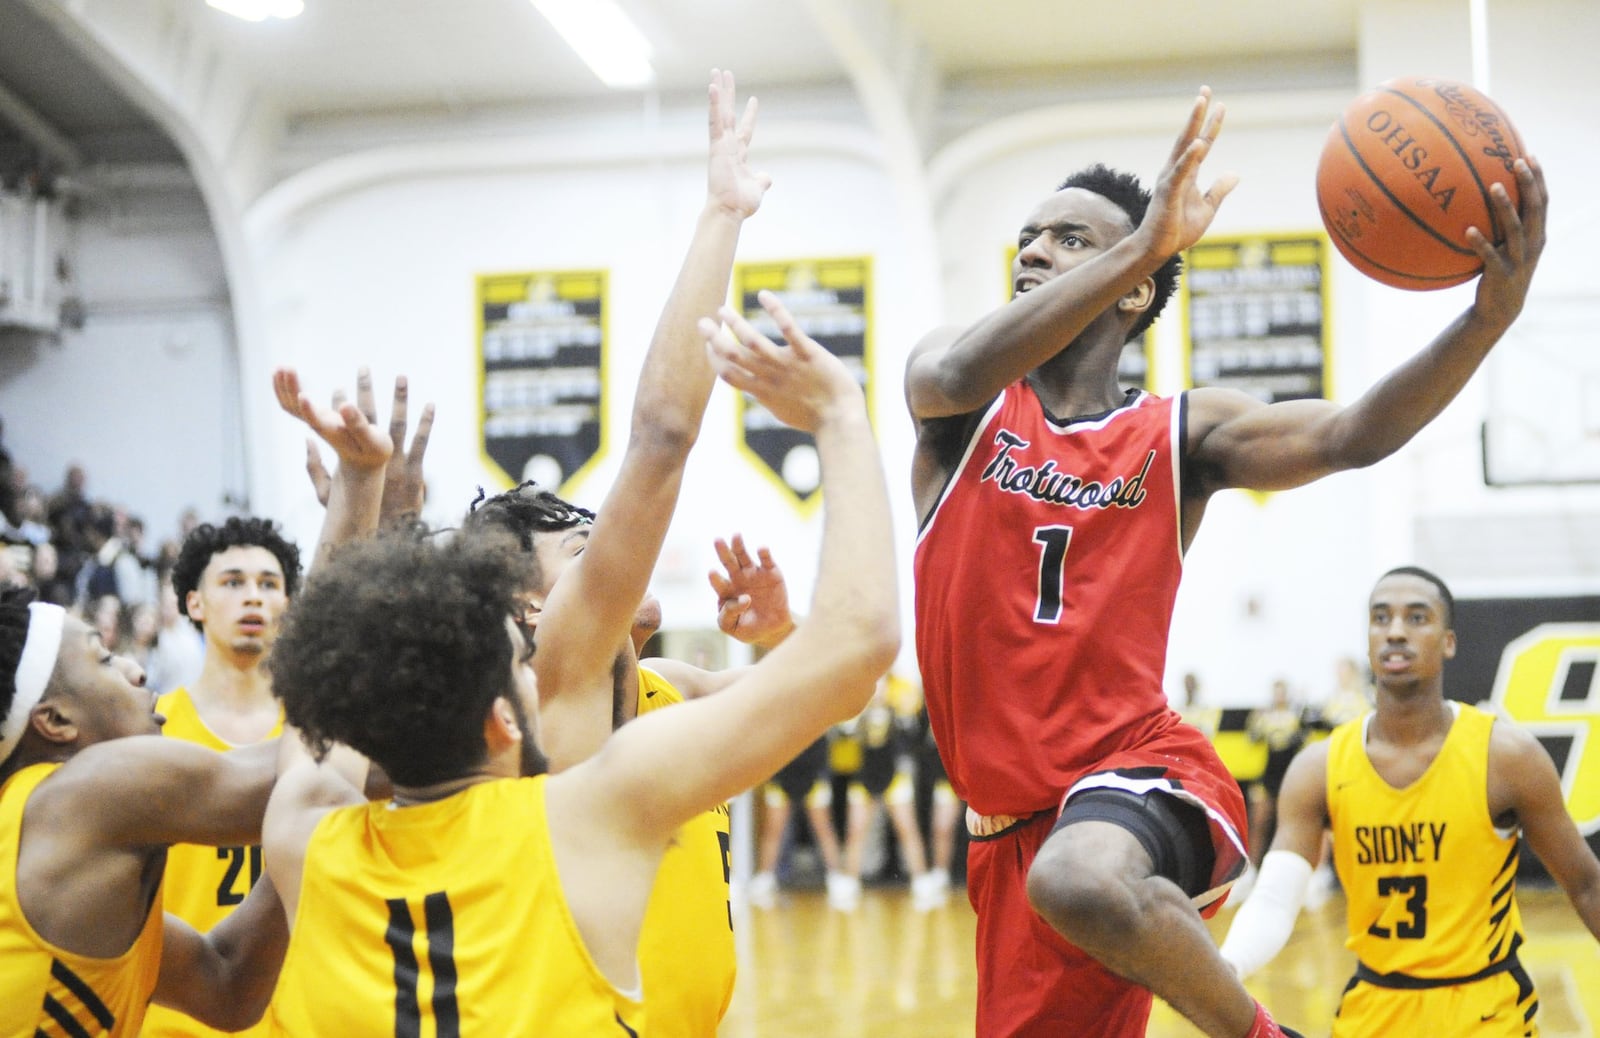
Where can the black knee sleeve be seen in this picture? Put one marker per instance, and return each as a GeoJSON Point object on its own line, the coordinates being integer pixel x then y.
{"type": "Point", "coordinates": [1174, 834]}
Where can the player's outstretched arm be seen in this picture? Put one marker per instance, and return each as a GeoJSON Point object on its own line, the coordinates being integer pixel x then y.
{"type": "Point", "coordinates": [152, 791]}
{"type": "Point", "coordinates": [1236, 441]}
{"type": "Point", "coordinates": [1521, 764]}
{"type": "Point", "coordinates": [612, 816]}
{"type": "Point", "coordinates": [955, 371]}
{"type": "Point", "coordinates": [225, 978]}
{"type": "Point", "coordinates": [589, 614]}
{"type": "Point", "coordinates": [1263, 924]}
{"type": "Point", "coordinates": [826, 671]}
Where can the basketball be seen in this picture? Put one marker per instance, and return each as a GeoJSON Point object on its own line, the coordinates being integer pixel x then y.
{"type": "Point", "coordinates": [1406, 170]}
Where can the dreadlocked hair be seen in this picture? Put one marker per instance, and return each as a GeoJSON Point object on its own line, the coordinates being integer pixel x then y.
{"type": "Point", "coordinates": [523, 512]}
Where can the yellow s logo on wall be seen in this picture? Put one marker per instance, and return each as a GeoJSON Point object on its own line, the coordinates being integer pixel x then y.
{"type": "Point", "coordinates": [1549, 682]}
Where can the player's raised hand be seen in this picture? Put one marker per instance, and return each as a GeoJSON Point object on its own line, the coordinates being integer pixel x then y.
{"type": "Point", "coordinates": [1179, 211]}
{"type": "Point", "coordinates": [1508, 267]}
{"type": "Point", "coordinates": [403, 486]}
{"type": "Point", "coordinates": [802, 384]}
{"type": "Point", "coordinates": [730, 182]}
{"type": "Point", "coordinates": [344, 426]}
{"type": "Point", "coordinates": [752, 598]}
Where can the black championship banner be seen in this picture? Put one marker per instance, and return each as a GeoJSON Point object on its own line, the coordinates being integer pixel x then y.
{"type": "Point", "coordinates": [1136, 366]}
{"type": "Point", "coordinates": [542, 363]}
{"type": "Point", "coordinates": [1535, 660]}
{"type": "Point", "coordinates": [831, 301]}
{"type": "Point", "coordinates": [1255, 309]}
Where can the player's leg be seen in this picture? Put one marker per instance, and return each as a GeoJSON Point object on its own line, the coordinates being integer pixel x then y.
{"type": "Point", "coordinates": [1118, 877]}
{"type": "Point", "coordinates": [763, 889]}
{"type": "Point", "coordinates": [1032, 982]}
{"type": "Point", "coordinates": [899, 800]}
{"type": "Point", "coordinates": [844, 887]}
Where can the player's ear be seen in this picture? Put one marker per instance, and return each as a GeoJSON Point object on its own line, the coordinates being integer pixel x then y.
{"type": "Point", "coordinates": [55, 721]}
{"type": "Point", "coordinates": [1139, 297]}
{"type": "Point", "coordinates": [500, 728]}
{"type": "Point", "coordinates": [194, 606]}
{"type": "Point", "coordinates": [1449, 645]}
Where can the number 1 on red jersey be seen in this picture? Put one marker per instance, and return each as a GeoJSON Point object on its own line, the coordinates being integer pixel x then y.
{"type": "Point", "coordinates": [1053, 542]}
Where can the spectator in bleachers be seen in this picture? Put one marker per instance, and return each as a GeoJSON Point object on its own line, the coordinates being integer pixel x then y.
{"type": "Point", "coordinates": [1194, 711]}
{"type": "Point", "coordinates": [68, 511]}
{"type": "Point", "coordinates": [8, 486]}
{"type": "Point", "coordinates": [111, 568]}
{"type": "Point", "coordinates": [1351, 696]}
{"type": "Point", "coordinates": [144, 625]}
{"type": "Point", "coordinates": [32, 523]}
{"type": "Point", "coordinates": [178, 654]}
{"type": "Point", "coordinates": [51, 586]}
{"type": "Point", "coordinates": [109, 617]}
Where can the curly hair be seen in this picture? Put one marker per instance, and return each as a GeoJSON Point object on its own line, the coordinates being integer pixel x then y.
{"type": "Point", "coordinates": [1124, 191]}
{"type": "Point", "coordinates": [398, 649]}
{"type": "Point", "coordinates": [205, 541]}
{"type": "Point", "coordinates": [523, 512]}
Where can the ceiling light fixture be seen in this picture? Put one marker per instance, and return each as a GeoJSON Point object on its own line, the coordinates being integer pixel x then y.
{"type": "Point", "coordinates": [605, 38]}
{"type": "Point", "coordinates": [260, 10]}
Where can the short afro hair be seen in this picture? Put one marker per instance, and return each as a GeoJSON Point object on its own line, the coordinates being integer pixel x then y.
{"type": "Point", "coordinates": [398, 649]}
{"type": "Point", "coordinates": [523, 512]}
{"type": "Point", "coordinates": [206, 540]}
{"type": "Point", "coordinates": [1445, 597]}
{"type": "Point", "coordinates": [1125, 192]}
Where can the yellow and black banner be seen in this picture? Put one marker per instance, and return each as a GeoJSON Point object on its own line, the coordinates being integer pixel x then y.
{"type": "Point", "coordinates": [1255, 309]}
{"type": "Point", "coordinates": [542, 373]}
{"type": "Point", "coordinates": [1136, 367]}
{"type": "Point", "coordinates": [1537, 660]}
{"type": "Point", "coordinates": [831, 300]}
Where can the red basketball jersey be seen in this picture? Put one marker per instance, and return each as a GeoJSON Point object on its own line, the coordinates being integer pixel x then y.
{"type": "Point", "coordinates": [1045, 579]}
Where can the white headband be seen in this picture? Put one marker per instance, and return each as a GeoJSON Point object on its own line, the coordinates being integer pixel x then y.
{"type": "Point", "coordinates": [38, 662]}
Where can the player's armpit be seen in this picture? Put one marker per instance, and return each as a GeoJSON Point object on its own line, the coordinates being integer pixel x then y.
{"type": "Point", "coordinates": [1234, 440]}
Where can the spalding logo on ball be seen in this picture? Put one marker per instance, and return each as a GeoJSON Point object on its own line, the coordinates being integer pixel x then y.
{"type": "Point", "coordinates": [1406, 170]}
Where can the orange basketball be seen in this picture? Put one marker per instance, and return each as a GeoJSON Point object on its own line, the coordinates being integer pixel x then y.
{"type": "Point", "coordinates": [1406, 170]}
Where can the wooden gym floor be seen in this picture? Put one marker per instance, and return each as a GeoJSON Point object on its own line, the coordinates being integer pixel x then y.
{"type": "Point", "coordinates": [886, 971]}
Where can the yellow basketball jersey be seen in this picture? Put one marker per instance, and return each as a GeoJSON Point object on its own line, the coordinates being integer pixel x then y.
{"type": "Point", "coordinates": [442, 919]}
{"type": "Point", "coordinates": [686, 952]}
{"type": "Point", "coordinates": [202, 884]}
{"type": "Point", "coordinates": [1430, 882]}
{"type": "Point", "coordinates": [47, 991]}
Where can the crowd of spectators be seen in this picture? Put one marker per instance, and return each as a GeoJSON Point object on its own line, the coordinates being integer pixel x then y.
{"type": "Point", "coordinates": [93, 558]}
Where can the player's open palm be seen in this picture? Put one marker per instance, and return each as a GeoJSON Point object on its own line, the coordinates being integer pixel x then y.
{"type": "Point", "coordinates": [348, 428]}
{"type": "Point", "coordinates": [1179, 211]}
{"type": "Point", "coordinates": [752, 598]}
{"type": "Point", "coordinates": [730, 181]}
{"type": "Point", "coordinates": [1508, 267]}
{"type": "Point", "coordinates": [801, 383]}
